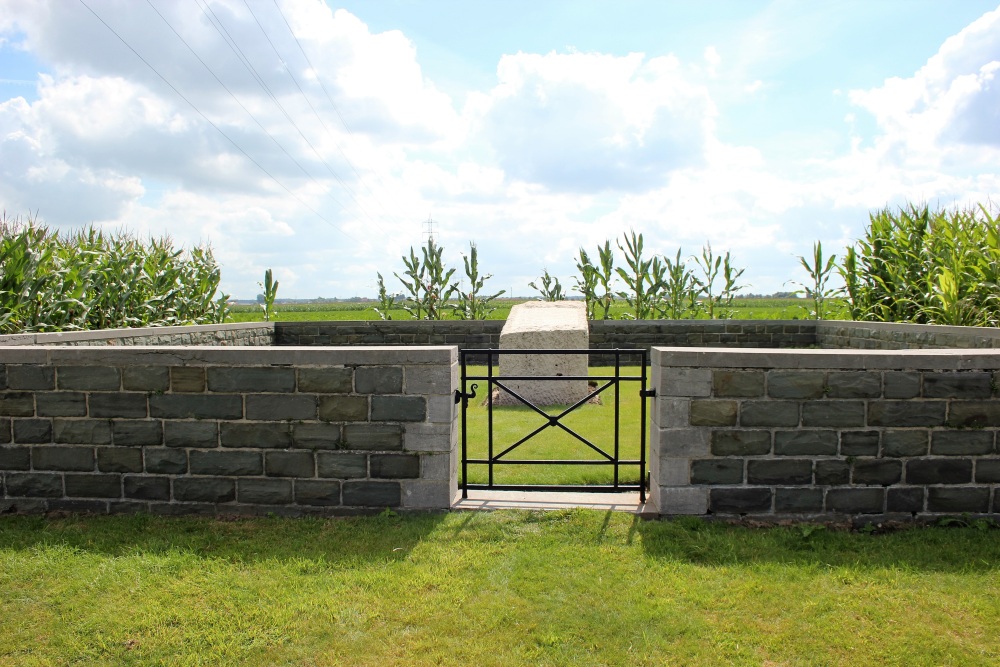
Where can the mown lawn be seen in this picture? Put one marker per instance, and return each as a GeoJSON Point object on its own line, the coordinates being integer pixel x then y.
{"type": "Point", "coordinates": [508, 588]}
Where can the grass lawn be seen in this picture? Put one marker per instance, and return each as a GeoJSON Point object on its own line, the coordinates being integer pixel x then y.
{"type": "Point", "coordinates": [507, 588]}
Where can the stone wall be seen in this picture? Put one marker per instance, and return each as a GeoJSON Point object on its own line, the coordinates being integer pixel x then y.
{"type": "Point", "coordinates": [820, 433]}
{"type": "Point", "coordinates": [244, 333]}
{"type": "Point", "coordinates": [891, 336]}
{"type": "Point", "coordinates": [226, 430]}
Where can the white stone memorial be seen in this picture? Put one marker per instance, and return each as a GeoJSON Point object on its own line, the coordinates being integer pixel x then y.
{"type": "Point", "coordinates": [545, 325]}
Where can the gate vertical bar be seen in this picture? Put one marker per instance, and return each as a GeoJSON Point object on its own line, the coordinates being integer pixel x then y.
{"type": "Point", "coordinates": [489, 412]}
{"type": "Point", "coordinates": [465, 430]}
{"type": "Point", "coordinates": [618, 393]}
{"type": "Point", "coordinates": [642, 430]}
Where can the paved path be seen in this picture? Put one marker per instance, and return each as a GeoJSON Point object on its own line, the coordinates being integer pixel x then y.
{"type": "Point", "coordinates": [546, 500]}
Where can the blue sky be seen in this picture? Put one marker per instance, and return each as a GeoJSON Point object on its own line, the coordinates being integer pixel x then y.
{"type": "Point", "coordinates": [531, 128]}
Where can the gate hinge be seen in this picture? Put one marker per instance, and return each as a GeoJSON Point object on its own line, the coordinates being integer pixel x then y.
{"type": "Point", "coordinates": [459, 395]}
{"type": "Point", "coordinates": [647, 393]}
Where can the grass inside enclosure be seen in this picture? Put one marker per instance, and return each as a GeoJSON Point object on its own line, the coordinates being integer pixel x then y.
{"type": "Point", "coordinates": [506, 588]}
{"type": "Point", "coordinates": [595, 422]}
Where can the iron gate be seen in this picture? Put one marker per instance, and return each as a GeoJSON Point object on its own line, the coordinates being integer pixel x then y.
{"type": "Point", "coordinates": [608, 453]}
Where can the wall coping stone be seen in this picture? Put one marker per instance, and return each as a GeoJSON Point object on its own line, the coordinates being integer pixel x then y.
{"type": "Point", "coordinates": [840, 359]}
{"type": "Point", "coordinates": [59, 337]}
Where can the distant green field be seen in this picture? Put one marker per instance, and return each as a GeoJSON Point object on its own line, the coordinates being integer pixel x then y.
{"type": "Point", "coordinates": [743, 309]}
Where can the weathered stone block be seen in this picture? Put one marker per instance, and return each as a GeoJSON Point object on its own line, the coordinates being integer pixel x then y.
{"type": "Point", "coordinates": [93, 486]}
{"type": "Point", "coordinates": [798, 500]}
{"type": "Point", "coordinates": [32, 431]}
{"type": "Point", "coordinates": [17, 404]}
{"type": "Point", "coordinates": [34, 485]}
{"type": "Point", "coordinates": [683, 442]}
{"type": "Point", "coordinates": [905, 499]}
{"type": "Point", "coordinates": [856, 501]}
{"type": "Point", "coordinates": [854, 384]}
{"type": "Point", "coordinates": [371, 494]}
{"type": "Point", "coordinates": [796, 384]}
{"type": "Point", "coordinates": [30, 377]}
{"type": "Point", "coordinates": [958, 499]}
{"type": "Point", "coordinates": [901, 384]}
{"type": "Point", "coordinates": [204, 489]}
{"type": "Point", "coordinates": [966, 442]}
{"type": "Point", "coordinates": [727, 383]}
{"type": "Point", "coordinates": [119, 459]}
{"type": "Point", "coordinates": [117, 405]}
{"type": "Point", "coordinates": [264, 491]}
{"type": "Point", "coordinates": [427, 494]}
{"type": "Point", "coordinates": [138, 432]}
{"type": "Point", "coordinates": [399, 408]}
{"type": "Point", "coordinates": [61, 404]}
{"type": "Point", "coordinates": [289, 464]}
{"type": "Point", "coordinates": [939, 471]}
{"type": "Point", "coordinates": [787, 472]}
{"type": "Point", "coordinates": [905, 443]}
{"type": "Point", "coordinates": [819, 443]}
{"type": "Point", "coordinates": [906, 413]}
{"type": "Point", "coordinates": [421, 437]}
{"type": "Point", "coordinates": [196, 406]}
{"type": "Point", "coordinates": [739, 500]}
{"type": "Point", "coordinates": [386, 437]}
{"type": "Point", "coordinates": [278, 408]}
{"type": "Point", "coordinates": [832, 473]}
{"type": "Point", "coordinates": [251, 379]}
{"type": "Point", "coordinates": [394, 466]}
{"type": "Point", "coordinates": [89, 378]}
{"type": "Point", "coordinates": [713, 413]}
{"type": "Point", "coordinates": [317, 492]}
{"type": "Point", "coordinates": [62, 458]}
{"type": "Point", "coordinates": [147, 488]}
{"type": "Point", "coordinates": [316, 436]}
{"type": "Point", "coordinates": [378, 380]}
{"type": "Point", "coordinates": [191, 434]}
{"type": "Point", "coordinates": [717, 471]}
{"type": "Point", "coordinates": [974, 414]}
{"type": "Point", "coordinates": [145, 378]}
{"type": "Point", "coordinates": [769, 413]}
{"type": "Point", "coordinates": [328, 380]}
{"type": "Point", "coordinates": [225, 463]}
{"type": "Point", "coordinates": [957, 385]}
{"type": "Point", "coordinates": [741, 443]}
{"type": "Point", "coordinates": [343, 408]}
{"type": "Point", "coordinates": [877, 471]}
{"type": "Point", "coordinates": [15, 458]}
{"type": "Point", "coordinates": [672, 412]}
{"type": "Point", "coordinates": [341, 465]}
{"type": "Point", "coordinates": [163, 460]}
{"type": "Point", "coordinates": [428, 380]}
{"type": "Point", "coordinates": [187, 379]}
{"type": "Point", "coordinates": [81, 431]}
{"type": "Point", "coordinates": [987, 470]}
{"type": "Point", "coordinates": [859, 443]}
{"type": "Point", "coordinates": [273, 436]}
{"type": "Point", "coordinates": [694, 382]}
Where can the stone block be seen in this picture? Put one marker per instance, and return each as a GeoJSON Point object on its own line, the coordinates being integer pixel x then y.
{"type": "Point", "coordinates": [817, 443]}
{"type": "Point", "coordinates": [394, 466]}
{"type": "Point", "coordinates": [427, 494]}
{"type": "Point", "coordinates": [437, 466]}
{"type": "Point", "coordinates": [204, 489]}
{"type": "Point", "coordinates": [164, 460]}
{"type": "Point", "coordinates": [905, 442]}
{"type": "Point", "coordinates": [853, 384]}
{"type": "Point", "coordinates": [88, 378]}
{"type": "Point", "coordinates": [839, 414]}
{"type": "Point", "coordinates": [901, 384]}
{"type": "Point", "coordinates": [877, 471]}
{"type": "Point", "coordinates": [974, 414]}
{"type": "Point", "coordinates": [316, 436]}
{"type": "Point", "coordinates": [264, 435]}
{"type": "Point", "coordinates": [196, 406]}
{"type": "Point", "coordinates": [717, 471]}
{"type": "Point", "coordinates": [15, 458]}
{"type": "Point", "coordinates": [264, 491]}
{"type": "Point", "coordinates": [147, 488]}
{"type": "Point", "coordinates": [441, 409]}
{"type": "Point", "coordinates": [832, 472]}
{"type": "Point", "coordinates": [289, 464]}
{"type": "Point", "coordinates": [740, 500]}
{"type": "Point", "coordinates": [32, 431]}
{"type": "Point", "coordinates": [421, 437]}
{"type": "Point", "coordinates": [859, 443]}
{"type": "Point", "coordinates": [673, 501]}
{"type": "Point", "coordinates": [128, 405]}
{"type": "Point", "coordinates": [958, 499]}
{"type": "Point", "coordinates": [371, 494]}
{"type": "Point", "coordinates": [399, 408]}
{"type": "Point", "coordinates": [856, 501]}
{"type": "Point", "coordinates": [741, 384]}
{"type": "Point", "coordinates": [5, 430]}
{"type": "Point", "coordinates": [938, 471]}
{"type": "Point", "coordinates": [326, 380]}
{"type": "Point", "coordinates": [796, 384]}
{"type": "Point", "coordinates": [383, 437]}
{"type": "Point", "coordinates": [119, 459]}
{"type": "Point", "coordinates": [769, 413]}
{"type": "Point", "coordinates": [30, 377]}
{"type": "Point", "coordinates": [741, 443]}
{"type": "Point", "coordinates": [671, 412]}
{"type": "Point", "coordinates": [61, 404]}
{"type": "Point", "coordinates": [693, 382]}
{"type": "Point", "coordinates": [62, 458]}
{"type": "Point", "coordinates": [987, 470]}
{"type": "Point", "coordinates": [341, 465]}
{"type": "Point", "coordinates": [137, 432]}
{"type": "Point", "coordinates": [378, 380]}
{"type": "Point", "coordinates": [17, 404]}
{"type": "Point", "coordinates": [684, 442]}
{"type": "Point", "coordinates": [786, 472]}
{"type": "Point", "coordinates": [81, 431]}
{"type": "Point", "coordinates": [343, 408]}
{"type": "Point", "coordinates": [429, 380]}
{"type": "Point", "coordinates": [959, 443]}
{"type": "Point", "coordinates": [798, 500]}
{"type": "Point", "coordinates": [225, 463]}
{"type": "Point", "coordinates": [317, 492]}
{"type": "Point", "coordinates": [187, 380]}
{"type": "Point", "coordinates": [93, 486]}
{"type": "Point", "coordinates": [905, 499]}
{"type": "Point", "coordinates": [276, 407]}
{"type": "Point", "coordinates": [713, 413]}
{"type": "Point", "coordinates": [906, 413]}
{"type": "Point", "coordinates": [251, 379]}
{"type": "Point", "coordinates": [145, 378]}
{"type": "Point", "coordinates": [34, 485]}
{"type": "Point", "coordinates": [666, 471]}
{"type": "Point", "coordinates": [191, 434]}
{"type": "Point", "coordinates": [958, 385]}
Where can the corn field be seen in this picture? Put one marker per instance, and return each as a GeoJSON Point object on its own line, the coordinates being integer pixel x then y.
{"type": "Point", "coordinates": [89, 280]}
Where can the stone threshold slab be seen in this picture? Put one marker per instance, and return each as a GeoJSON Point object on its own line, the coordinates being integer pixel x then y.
{"type": "Point", "coordinates": [551, 500]}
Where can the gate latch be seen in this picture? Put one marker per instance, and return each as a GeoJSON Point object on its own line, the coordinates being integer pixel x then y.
{"type": "Point", "coordinates": [459, 394]}
{"type": "Point", "coordinates": [647, 393]}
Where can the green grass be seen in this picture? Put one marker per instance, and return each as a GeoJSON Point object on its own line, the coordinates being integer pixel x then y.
{"type": "Point", "coordinates": [563, 588]}
{"type": "Point", "coordinates": [593, 422]}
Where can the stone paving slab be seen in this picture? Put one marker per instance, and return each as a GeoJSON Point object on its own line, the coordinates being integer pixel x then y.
{"type": "Point", "coordinates": [549, 500]}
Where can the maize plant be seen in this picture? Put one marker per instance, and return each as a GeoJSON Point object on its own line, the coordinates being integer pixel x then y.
{"type": "Point", "coordinates": [473, 304]}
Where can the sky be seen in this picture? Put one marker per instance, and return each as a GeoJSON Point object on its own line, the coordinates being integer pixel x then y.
{"type": "Point", "coordinates": [318, 138]}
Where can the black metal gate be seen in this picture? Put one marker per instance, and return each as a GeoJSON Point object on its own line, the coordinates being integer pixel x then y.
{"type": "Point", "coordinates": [608, 453]}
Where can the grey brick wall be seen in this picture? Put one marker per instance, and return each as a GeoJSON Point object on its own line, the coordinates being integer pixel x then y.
{"type": "Point", "coordinates": [820, 433]}
{"type": "Point", "coordinates": [250, 333]}
{"type": "Point", "coordinates": [892, 336]}
{"type": "Point", "coordinates": [229, 431]}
